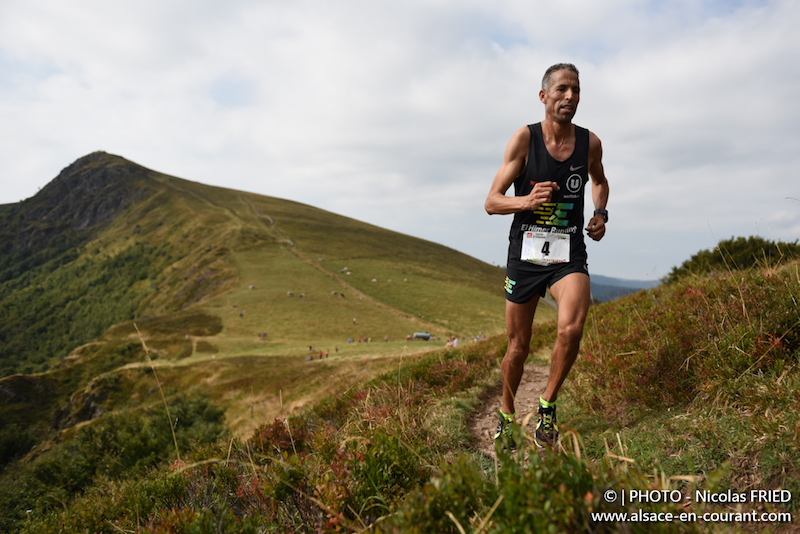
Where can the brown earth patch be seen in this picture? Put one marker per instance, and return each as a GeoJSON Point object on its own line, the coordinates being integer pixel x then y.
{"type": "Point", "coordinates": [484, 422]}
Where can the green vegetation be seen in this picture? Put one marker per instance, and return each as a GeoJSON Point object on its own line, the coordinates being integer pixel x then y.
{"type": "Point", "coordinates": [395, 454]}
{"type": "Point", "coordinates": [699, 375]}
{"type": "Point", "coordinates": [118, 446]}
{"type": "Point", "coordinates": [739, 253]}
{"type": "Point", "coordinates": [47, 312]}
{"type": "Point", "coordinates": [690, 385]}
{"type": "Point", "coordinates": [109, 241]}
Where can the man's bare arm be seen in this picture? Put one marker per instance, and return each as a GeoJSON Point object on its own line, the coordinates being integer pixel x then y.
{"type": "Point", "coordinates": [596, 228]}
{"type": "Point", "coordinates": [497, 203]}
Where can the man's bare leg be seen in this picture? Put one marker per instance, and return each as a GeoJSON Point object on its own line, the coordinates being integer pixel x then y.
{"type": "Point", "coordinates": [519, 320]}
{"type": "Point", "coordinates": [573, 296]}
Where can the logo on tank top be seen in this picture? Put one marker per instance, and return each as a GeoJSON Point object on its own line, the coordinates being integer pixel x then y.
{"type": "Point", "coordinates": [553, 214]}
{"type": "Point", "coordinates": [574, 183]}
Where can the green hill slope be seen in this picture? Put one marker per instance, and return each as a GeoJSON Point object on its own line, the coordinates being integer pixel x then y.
{"type": "Point", "coordinates": [216, 280]}
{"type": "Point", "coordinates": [109, 241]}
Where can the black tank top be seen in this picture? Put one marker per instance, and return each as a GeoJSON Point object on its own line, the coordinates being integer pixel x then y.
{"type": "Point", "coordinates": [564, 214]}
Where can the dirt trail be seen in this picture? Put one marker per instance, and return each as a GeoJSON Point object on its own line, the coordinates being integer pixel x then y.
{"type": "Point", "coordinates": [484, 422]}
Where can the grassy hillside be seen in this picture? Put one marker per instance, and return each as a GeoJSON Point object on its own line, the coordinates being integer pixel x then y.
{"type": "Point", "coordinates": [158, 245]}
{"type": "Point", "coordinates": [688, 386]}
{"type": "Point", "coordinates": [206, 274]}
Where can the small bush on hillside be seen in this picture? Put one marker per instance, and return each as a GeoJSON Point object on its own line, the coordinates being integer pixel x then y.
{"type": "Point", "coordinates": [15, 441]}
{"type": "Point", "coordinates": [736, 254]}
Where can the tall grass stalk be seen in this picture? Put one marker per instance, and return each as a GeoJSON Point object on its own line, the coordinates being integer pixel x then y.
{"type": "Point", "coordinates": [160, 390]}
{"type": "Point", "coordinates": [722, 252]}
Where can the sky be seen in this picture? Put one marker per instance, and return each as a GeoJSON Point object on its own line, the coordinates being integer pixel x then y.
{"type": "Point", "coordinates": [398, 113]}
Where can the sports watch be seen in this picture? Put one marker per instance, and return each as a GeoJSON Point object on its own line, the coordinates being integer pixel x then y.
{"type": "Point", "coordinates": [602, 212]}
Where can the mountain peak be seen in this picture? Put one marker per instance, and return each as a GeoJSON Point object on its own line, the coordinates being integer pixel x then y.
{"type": "Point", "coordinates": [90, 191]}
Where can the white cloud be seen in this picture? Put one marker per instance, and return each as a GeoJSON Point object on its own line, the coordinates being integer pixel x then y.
{"type": "Point", "coordinates": [369, 108]}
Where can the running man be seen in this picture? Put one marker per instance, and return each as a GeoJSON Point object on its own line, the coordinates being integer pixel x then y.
{"type": "Point", "coordinates": [549, 164]}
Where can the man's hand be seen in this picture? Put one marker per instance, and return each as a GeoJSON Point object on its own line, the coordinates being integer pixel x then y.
{"type": "Point", "coordinates": [542, 194]}
{"type": "Point", "coordinates": [596, 228]}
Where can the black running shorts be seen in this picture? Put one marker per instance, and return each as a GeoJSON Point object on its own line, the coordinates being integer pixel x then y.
{"type": "Point", "coordinates": [521, 287]}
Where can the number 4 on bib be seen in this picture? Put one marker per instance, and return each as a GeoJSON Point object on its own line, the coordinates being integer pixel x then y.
{"type": "Point", "coordinates": [544, 248]}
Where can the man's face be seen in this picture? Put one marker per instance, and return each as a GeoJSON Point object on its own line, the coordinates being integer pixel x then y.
{"type": "Point", "coordinates": [561, 98]}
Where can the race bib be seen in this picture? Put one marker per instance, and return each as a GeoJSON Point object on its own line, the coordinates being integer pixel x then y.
{"type": "Point", "coordinates": [545, 248]}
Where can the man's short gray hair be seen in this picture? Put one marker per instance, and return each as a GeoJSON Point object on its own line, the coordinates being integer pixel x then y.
{"type": "Point", "coordinates": [549, 73]}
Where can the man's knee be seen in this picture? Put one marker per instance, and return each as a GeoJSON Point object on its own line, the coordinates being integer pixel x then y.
{"type": "Point", "coordinates": [518, 348]}
{"type": "Point", "coordinates": [571, 332]}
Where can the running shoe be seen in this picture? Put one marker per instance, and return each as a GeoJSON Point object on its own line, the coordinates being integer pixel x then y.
{"type": "Point", "coordinates": [503, 432]}
{"type": "Point", "coordinates": [546, 427]}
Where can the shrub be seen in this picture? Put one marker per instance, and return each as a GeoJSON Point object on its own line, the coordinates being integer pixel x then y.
{"type": "Point", "coordinates": [739, 254]}
{"type": "Point", "coordinates": [14, 442]}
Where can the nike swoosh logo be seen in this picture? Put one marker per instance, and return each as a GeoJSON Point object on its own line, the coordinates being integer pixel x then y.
{"type": "Point", "coordinates": [573, 168]}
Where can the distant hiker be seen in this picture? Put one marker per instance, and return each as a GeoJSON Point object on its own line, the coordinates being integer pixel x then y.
{"type": "Point", "coordinates": [549, 164]}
